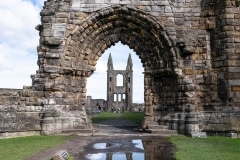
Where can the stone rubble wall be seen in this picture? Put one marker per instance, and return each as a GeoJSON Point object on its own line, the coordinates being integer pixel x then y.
{"type": "Point", "coordinates": [189, 50]}
{"type": "Point", "coordinates": [19, 112]}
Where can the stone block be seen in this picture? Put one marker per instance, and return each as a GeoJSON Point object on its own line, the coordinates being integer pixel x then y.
{"type": "Point", "coordinates": [235, 88]}
{"type": "Point", "coordinates": [51, 69]}
{"type": "Point", "coordinates": [47, 19]}
{"type": "Point", "coordinates": [62, 15]}
{"type": "Point", "coordinates": [61, 20]}
{"type": "Point", "coordinates": [234, 82]}
{"type": "Point", "coordinates": [198, 134]}
{"type": "Point", "coordinates": [234, 69]}
{"type": "Point", "coordinates": [47, 12]}
{"type": "Point", "coordinates": [54, 41]}
{"type": "Point", "coordinates": [232, 135]}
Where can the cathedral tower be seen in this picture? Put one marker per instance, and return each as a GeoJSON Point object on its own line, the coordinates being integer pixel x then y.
{"type": "Point", "coordinates": [119, 85]}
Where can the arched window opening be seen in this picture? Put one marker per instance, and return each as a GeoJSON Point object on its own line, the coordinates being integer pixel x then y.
{"type": "Point", "coordinates": [124, 97]}
{"type": "Point", "coordinates": [115, 97]}
{"type": "Point", "coordinates": [119, 80]}
{"type": "Point", "coordinates": [119, 97]}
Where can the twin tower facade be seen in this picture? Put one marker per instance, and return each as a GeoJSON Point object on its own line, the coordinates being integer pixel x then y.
{"type": "Point", "coordinates": [119, 85]}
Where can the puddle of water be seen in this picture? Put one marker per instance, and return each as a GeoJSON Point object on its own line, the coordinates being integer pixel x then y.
{"type": "Point", "coordinates": [138, 143]}
{"type": "Point", "coordinates": [97, 156]}
{"type": "Point", "coordinates": [106, 145]}
{"type": "Point", "coordinates": [99, 146]}
{"type": "Point", "coordinates": [129, 149]}
{"type": "Point", "coordinates": [116, 156]}
{"type": "Point", "coordinates": [119, 150]}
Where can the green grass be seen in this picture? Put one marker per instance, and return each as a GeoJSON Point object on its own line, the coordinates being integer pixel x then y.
{"type": "Point", "coordinates": [23, 147]}
{"type": "Point", "coordinates": [211, 148]}
{"type": "Point", "coordinates": [136, 117]}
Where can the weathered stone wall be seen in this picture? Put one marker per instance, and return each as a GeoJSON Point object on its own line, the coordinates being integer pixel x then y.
{"type": "Point", "coordinates": [189, 51]}
{"type": "Point", "coordinates": [19, 112]}
{"type": "Point", "coordinates": [220, 100]}
{"type": "Point", "coordinates": [91, 104]}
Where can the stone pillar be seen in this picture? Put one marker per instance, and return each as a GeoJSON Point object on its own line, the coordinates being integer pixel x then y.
{"type": "Point", "coordinates": [192, 124]}
{"type": "Point", "coordinates": [64, 111]}
{"type": "Point", "coordinates": [148, 98]}
{"type": "Point", "coordinates": [181, 123]}
{"type": "Point", "coordinates": [174, 121]}
{"type": "Point", "coordinates": [229, 81]}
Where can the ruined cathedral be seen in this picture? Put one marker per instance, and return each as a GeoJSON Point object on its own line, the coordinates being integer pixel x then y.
{"type": "Point", "coordinates": [119, 95]}
{"type": "Point", "coordinates": [119, 88]}
{"type": "Point", "coordinates": [189, 49]}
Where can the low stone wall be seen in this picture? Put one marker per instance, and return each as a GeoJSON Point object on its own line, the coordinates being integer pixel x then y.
{"type": "Point", "coordinates": [221, 122]}
{"type": "Point", "coordinates": [26, 112]}
{"type": "Point", "coordinates": [16, 116]}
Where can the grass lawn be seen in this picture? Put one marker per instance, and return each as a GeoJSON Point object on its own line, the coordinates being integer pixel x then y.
{"type": "Point", "coordinates": [23, 147]}
{"type": "Point", "coordinates": [136, 117]}
{"type": "Point", "coordinates": [211, 148]}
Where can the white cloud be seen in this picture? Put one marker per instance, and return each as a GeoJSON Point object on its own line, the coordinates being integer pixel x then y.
{"type": "Point", "coordinates": [18, 42]}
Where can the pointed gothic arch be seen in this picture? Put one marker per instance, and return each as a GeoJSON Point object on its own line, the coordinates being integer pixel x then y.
{"type": "Point", "coordinates": [141, 32]}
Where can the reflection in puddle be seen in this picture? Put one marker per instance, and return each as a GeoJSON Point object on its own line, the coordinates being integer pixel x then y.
{"type": "Point", "coordinates": [97, 156]}
{"type": "Point", "coordinates": [116, 156]}
{"type": "Point", "coordinates": [138, 143]}
{"type": "Point", "coordinates": [106, 145]}
{"type": "Point", "coordinates": [129, 149]}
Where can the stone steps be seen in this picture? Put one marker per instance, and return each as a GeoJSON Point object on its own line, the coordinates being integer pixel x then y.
{"type": "Point", "coordinates": [157, 126]}
{"type": "Point", "coordinates": [71, 131]}
{"type": "Point", "coordinates": [163, 131]}
{"type": "Point", "coordinates": [160, 129]}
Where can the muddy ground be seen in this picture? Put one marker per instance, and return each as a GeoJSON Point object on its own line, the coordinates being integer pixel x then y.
{"type": "Point", "coordinates": [119, 136]}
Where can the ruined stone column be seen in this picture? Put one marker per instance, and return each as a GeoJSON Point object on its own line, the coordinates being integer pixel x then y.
{"type": "Point", "coordinates": [148, 96]}
{"type": "Point", "coordinates": [192, 124]}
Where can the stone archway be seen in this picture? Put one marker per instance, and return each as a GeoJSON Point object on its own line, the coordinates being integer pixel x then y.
{"type": "Point", "coordinates": [138, 30]}
{"type": "Point", "coordinates": [70, 55]}
{"type": "Point", "coordinates": [172, 43]}
{"type": "Point", "coordinates": [71, 59]}
{"type": "Point", "coordinates": [190, 58]}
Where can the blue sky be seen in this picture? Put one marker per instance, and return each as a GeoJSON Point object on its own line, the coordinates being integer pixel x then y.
{"type": "Point", "coordinates": [18, 51]}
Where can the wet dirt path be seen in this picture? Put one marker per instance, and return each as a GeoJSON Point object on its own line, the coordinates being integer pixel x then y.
{"type": "Point", "coordinates": [118, 134]}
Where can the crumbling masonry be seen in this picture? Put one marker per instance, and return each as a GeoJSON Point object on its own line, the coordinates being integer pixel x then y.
{"type": "Point", "coordinates": [190, 51]}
